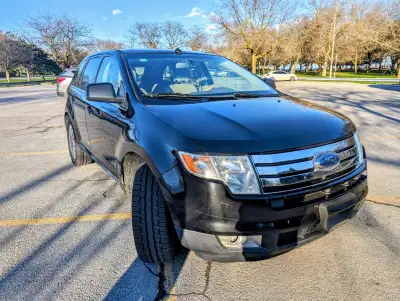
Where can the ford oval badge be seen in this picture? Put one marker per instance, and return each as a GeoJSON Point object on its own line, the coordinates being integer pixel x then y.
{"type": "Point", "coordinates": [326, 161]}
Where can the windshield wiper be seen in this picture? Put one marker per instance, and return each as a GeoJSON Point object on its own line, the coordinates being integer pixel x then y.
{"type": "Point", "coordinates": [208, 97]}
{"type": "Point", "coordinates": [246, 95]}
{"type": "Point", "coordinates": [237, 95]}
{"type": "Point", "coordinates": [173, 95]}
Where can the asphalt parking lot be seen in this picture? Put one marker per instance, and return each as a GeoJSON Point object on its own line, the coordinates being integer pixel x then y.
{"type": "Point", "coordinates": [65, 232]}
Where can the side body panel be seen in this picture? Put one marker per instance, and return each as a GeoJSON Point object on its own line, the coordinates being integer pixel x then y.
{"type": "Point", "coordinates": [77, 98]}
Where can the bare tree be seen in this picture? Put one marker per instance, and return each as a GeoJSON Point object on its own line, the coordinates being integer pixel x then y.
{"type": "Point", "coordinates": [197, 39]}
{"type": "Point", "coordinates": [173, 33]}
{"type": "Point", "coordinates": [108, 44]}
{"type": "Point", "coordinates": [60, 35]}
{"type": "Point", "coordinates": [292, 43]}
{"type": "Point", "coordinates": [74, 35]}
{"type": "Point", "coordinates": [148, 34]}
{"type": "Point", "coordinates": [10, 53]}
{"type": "Point", "coordinates": [384, 32]}
{"type": "Point", "coordinates": [251, 23]}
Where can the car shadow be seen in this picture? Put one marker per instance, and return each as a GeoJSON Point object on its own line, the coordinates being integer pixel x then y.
{"type": "Point", "coordinates": [52, 265]}
{"type": "Point", "coordinates": [386, 87]}
{"type": "Point", "coordinates": [379, 105]}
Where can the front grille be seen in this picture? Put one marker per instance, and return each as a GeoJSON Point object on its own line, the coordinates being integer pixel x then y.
{"type": "Point", "coordinates": [291, 170]}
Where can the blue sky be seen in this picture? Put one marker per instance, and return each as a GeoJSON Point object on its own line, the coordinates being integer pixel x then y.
{"type": "Point", "coordinates": [110, 19]}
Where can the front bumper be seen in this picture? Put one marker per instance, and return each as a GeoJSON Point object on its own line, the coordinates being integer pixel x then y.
{"type": "Point", "coordinates": [281, 222]}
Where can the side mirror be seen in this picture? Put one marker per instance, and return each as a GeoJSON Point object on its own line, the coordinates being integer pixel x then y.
{"type": "Point", "coordinates": [103, 92]}
{"type": "Point", "coordinates": [270, 82]}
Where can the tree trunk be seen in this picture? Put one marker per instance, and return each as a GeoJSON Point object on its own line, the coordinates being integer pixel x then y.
{"type": "Point", "coordinates": [325, 67]}
{"type": "Point", "coordinates": [290, 66]}
{"type": "Point", "coordinates": [8, 76]}
{"type": "Point", "coordinates": [356, 63]}
{"type": "Point", "coordinates": [393, 62]}
{"type": "Point", "coordinates": [306, 68]}
{"type": "Point", "coordinates": [253, 63]}
{"type": "Point", "coordinates": [28, 75]}
{"type": "Point", "coordinates": [294, 66]}
{"type": "Point", "coordinates": [398, 67]}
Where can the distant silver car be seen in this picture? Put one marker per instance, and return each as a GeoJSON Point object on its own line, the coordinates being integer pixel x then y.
{"type": "Point", "coordinates": [280, 75]}
{"type": "Point", "coordinates": [63, 81]}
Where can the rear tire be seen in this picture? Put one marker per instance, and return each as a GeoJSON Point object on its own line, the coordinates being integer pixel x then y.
{"type": "Point", "coordinates": [154, 234]}
{"type": "Point", "coordinates": [292, 78]}
{"type": "Point", "coordinates": [76, 153]}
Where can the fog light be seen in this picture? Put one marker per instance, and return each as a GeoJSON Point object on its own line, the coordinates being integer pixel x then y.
{"type": "Point", "coordinates": [232, 241]}
{"type": "Point", "coordinates": [240, 241]}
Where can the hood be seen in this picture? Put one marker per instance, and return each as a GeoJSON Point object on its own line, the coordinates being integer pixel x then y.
{"type": "Point", "coordinates": [255, 125]}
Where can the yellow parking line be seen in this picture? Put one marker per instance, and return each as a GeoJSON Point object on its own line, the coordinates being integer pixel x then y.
{"type": "Point", "coordinates": [64, 220]}
{"type": "Point", "coordinates": [33, 153]}
{"type": "Point", "coordinates": [172, 296]}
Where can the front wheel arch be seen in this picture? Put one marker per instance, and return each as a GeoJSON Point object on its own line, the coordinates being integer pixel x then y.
{"type": "Point", "coordinates": [131, 162]}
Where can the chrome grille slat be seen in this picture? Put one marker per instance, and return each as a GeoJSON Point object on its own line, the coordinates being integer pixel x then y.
{"type": "Point", "coordinates": [348, 153]}
{"type": "Point", "coordinates": [283, 171]}
{"type": "Point", "coordinates": [309, 176]}
{"type": "Point", "coordinates": [302, 154]}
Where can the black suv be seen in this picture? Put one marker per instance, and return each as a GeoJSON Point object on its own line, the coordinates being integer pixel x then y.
{"type": "Point", "coordinates": [223, 165]}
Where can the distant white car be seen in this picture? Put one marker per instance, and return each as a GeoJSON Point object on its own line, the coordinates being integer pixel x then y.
{"type": "Point", "coordinates": [280, 75]}
{"type": "Point", "coordinates": [63, 81]}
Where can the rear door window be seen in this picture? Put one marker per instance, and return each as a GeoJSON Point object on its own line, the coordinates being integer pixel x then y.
{"type": "Point", "coordinates": [89, 74]}
{"type": "Point", "coordinates": [78, 74]}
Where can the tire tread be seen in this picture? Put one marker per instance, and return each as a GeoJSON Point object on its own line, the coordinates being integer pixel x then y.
{"type": "Point", "coordinates": [153, 234]}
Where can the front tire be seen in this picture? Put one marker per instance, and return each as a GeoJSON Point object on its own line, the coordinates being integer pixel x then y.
{"type": "Point", "coordinates": [154, 234]}
{"type": "Point", "coordinates": [76, 153]}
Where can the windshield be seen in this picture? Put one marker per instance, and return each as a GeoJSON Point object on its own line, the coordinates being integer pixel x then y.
{"type": "Point", "coordinates": [193, 76]}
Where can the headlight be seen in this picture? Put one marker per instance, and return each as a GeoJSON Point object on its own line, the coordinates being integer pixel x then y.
{"type": "Point", "coordinates": [359, 149]}
{"type": "Point", "coordinates": [235, 171]}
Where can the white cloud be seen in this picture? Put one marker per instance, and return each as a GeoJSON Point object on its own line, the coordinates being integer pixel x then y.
{"type": "Point", "coordinates": [194, 13]}
{"type": "Point", "coordinates": [116, 11]}
{"type": "Point", "coordinates": [210, 28]}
